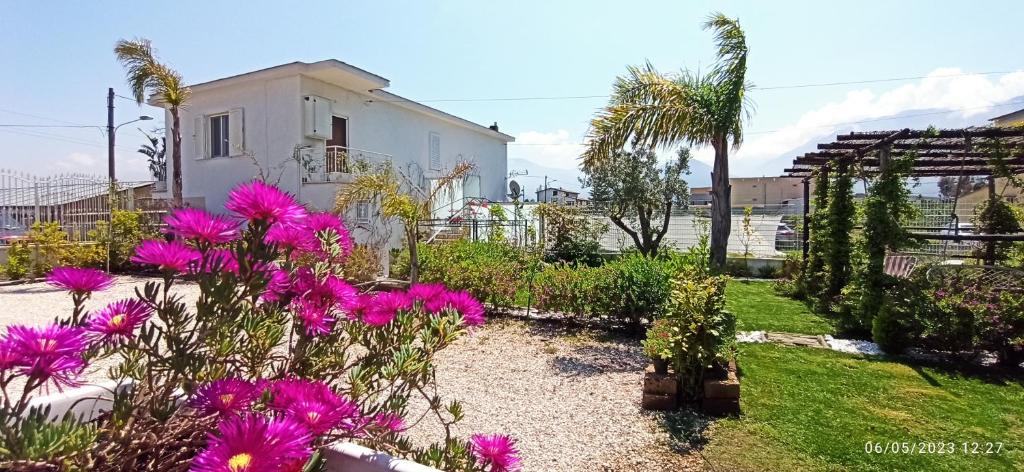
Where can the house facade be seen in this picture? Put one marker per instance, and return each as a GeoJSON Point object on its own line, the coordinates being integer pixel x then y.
{"type": "Point", "coordinates": [304, 126]}
{"type": "Point", "coordinates": [755, 191]}
{"type": "Point", "coordinates": [557, 195]}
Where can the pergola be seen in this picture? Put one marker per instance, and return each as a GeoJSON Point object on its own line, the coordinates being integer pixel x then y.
{"type": "Point", "coordinates": [937, 153]}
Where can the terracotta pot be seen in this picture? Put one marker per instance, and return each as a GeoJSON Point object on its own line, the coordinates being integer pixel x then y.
{"type": "Point", "coordinates": [660, 366]}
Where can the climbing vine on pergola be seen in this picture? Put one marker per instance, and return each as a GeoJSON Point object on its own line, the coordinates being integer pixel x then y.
{"type": "Point", "coordinates": [888, 158]}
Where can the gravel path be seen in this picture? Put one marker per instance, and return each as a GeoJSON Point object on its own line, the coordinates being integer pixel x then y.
{"type": "Point", "coordinates": [571, 398]}
{"type": "Point", "coordinates": [38, 303]}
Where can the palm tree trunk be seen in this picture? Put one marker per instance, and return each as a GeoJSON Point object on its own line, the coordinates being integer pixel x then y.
{"type": "Point", "coordinates": [414, 253]}
{"type": "Point", "coordinates": [721, 204]}
{"type": "Point", "coordinates": [176, 158]}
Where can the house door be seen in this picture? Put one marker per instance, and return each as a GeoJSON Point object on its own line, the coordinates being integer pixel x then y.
{"type": "Point", "coordinates": [339, 132]}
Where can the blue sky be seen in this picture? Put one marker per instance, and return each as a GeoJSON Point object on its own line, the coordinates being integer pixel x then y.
{"type": "Point", "coordinates": [57, 63]}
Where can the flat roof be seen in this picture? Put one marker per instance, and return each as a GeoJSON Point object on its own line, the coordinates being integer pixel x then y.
{"type": "Point", "coordinates": [340, 73]}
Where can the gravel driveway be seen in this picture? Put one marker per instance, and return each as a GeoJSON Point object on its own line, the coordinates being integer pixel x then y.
{"type": "Point", "coordinates": [571, 397]}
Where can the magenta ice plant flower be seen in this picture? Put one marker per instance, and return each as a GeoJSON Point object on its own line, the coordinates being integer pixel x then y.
{"type": "Point", "coordinates": [323, 221]}
{"type": "Point", "coordinates": [313, 404]}
{"type": "Point", "coordinates": [119, 320]}
{"type": "Point", "coordinates": [316, 319]}
{"type": "Point", "coordinates": [278, 284]}
{"type": "Point", "coordinates": [385, 306]}
{"type": "Point", "coordinates": [389, 421]}
{"type": "Point", "coordinates": [254, 443]}
{"type": "Point", "coordinates": [79, 280]}
{"type": "Point", "coordinates": [51, 354]}
{"type": "Point", "coordinates": [293, 236]}
{"type": "Point", "coordinates": [225, 396]}
{"type": "Point", "coordinates": [468, 306]}
{"type": "Point", "coordinates": [431, 295]}
{"type": "Point", "coordinates": [198, 225]}
{"type": "Point", "coordinates": [172, 256]}
{"type": "Point", "coordinates": [497, 451]}
{"type": "Point", "coordinates": [259, 201]}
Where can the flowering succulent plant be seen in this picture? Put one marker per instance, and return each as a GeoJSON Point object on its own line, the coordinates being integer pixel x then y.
{"type": "Point", "coordinates": [278, 357]}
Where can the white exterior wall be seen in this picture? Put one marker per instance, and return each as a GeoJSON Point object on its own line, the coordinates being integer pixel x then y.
{"type": "Point", "coordinates": [389, 128]}
{"type": "Point", "coordinates": [273, 127]}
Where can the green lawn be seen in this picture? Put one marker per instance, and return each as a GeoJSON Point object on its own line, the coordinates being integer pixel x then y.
{"type": "Point", "coordinates": [758, 308]}
{"type": "Point", "coordinates": [814, 409]}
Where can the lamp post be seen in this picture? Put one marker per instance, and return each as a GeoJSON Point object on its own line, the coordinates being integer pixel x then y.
{"type": "Point", "coordinates": [112, 131]}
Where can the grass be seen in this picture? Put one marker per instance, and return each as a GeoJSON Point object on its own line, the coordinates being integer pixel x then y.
{"type": "Point", "coordinates": [814, 409]}
{"type": "Point", "coordinates": [758, 308]}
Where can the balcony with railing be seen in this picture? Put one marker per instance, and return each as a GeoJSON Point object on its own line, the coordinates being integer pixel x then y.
{"type": "Point", "coordinates": [338, 163]}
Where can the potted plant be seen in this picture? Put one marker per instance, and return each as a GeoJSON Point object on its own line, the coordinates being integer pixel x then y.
{"type": "Point", "coordinates": [658, 345]}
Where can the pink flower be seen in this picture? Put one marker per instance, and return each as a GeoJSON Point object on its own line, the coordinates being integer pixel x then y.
{"type": "Point", "coordinates": [328, 222]}
{"type": "Point", "coordinates": [293, 236]}
{"type": "Point", "coordinates": [172, 256]}
{"type": "Point", "coordinates": [432, 296]}
{"type": "Point", "coordinates": [79, 280]}
{"type": "Point", "coordinates": [389, 421]}
{"type": "Point", "coordinates": [8, 358]}
{"type": "Point", "coordinates": [385, 307]}
{"type": "Point", "coordinates": [328, 292]}
{"type": "Point", "coordinates": [497, 451]}
{"type": "Point", "coordinates": [198, 225]}
{"type": "Point", "coordinates": [258, 201]}
{"type": "Point", "coordinates": [278, 285]}
{"type": "Point", "coordinates": [314, 405]}
{"type": "Point", "coordinates": [470, 308]}
{"type": "Point", "coordinates": [254, 443]}
{"type": "Point", "coordinates": [225, 397]}
{"type": "Point", "coordinates": [357, 306]}
{"type": "Point", "coordinates": [119, 320]}
{"type": "Point", "coordinates": [316, 319]}
{"type": "Point", "coordinates": [50, 354]}
{"type": "Point", "coordinates": [220, 260]}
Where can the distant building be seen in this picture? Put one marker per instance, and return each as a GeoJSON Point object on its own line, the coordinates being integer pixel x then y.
{"type": "Point", "coordinates": [557, 195]}
{"type": "Point", "coordinates": [755, 191]}
{"type": "Point", "coordinates": [1014, 118]}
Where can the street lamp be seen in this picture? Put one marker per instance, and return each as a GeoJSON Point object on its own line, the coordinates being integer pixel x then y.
{"type": "Point", "coordinates": [111, 132]}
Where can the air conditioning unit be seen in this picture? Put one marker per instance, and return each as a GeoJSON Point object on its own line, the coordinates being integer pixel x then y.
{"type": "Point", "coordinates": [316, 117]}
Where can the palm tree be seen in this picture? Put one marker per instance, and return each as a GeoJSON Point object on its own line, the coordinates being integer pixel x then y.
{"type": "Point", "coordinates": [154, 152]}
{"type": "Point", "coordinates": [691, 109]}
{"type": "Point", "coordinates": [146, 74]}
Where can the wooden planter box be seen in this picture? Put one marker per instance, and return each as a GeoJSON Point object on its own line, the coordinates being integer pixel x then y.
{"type": "Point", "coordinates": [722, 395]}
{"type": "Point", "coordinates": [88, 401]}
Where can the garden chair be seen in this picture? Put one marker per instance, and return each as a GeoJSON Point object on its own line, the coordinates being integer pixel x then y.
{"type": "Point", "coordinates": [899, 265]}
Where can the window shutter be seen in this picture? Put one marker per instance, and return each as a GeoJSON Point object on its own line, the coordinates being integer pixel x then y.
{"type": "Point", "coordinates": [199, 138]}
{"type": "Point", "coordinates": [435, 151]}
{"type": "Point", "coordinates": [236, 132]}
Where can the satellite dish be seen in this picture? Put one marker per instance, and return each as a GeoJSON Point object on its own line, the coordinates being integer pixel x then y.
{"type": "Point", "coordinates": [515, 191]}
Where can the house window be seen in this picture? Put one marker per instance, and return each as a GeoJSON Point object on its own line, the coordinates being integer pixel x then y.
{"type": "Point", "coordinates": [363, 212]}
{"type": "Point", "coordinates": [435, 151]}
{"type": "Point", "coordinates": [555, 193]}
{"type": "Point", "coordinates": [220, 145]}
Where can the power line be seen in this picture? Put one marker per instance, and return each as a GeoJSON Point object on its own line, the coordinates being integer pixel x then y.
{"type": "Point", "coordinates": [829, 125]}
{"type": "Point", "coordinates": [14, 112]}
{"type": "Point", "coordinates": [48, 126]}
{"type": "Point", "coordinates": [755, 89]}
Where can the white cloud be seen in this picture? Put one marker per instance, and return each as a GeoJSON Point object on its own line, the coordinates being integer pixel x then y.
{"type": "Point", "coordinates": [77, 162]}
{"type": "Point", "coordinates": [554, 149]}
{"type": "Point", "coordinates": [967, 95]}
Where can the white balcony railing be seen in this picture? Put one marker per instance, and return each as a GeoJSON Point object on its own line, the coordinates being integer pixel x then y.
{"type": "Point", "coordinates": [334, 162]}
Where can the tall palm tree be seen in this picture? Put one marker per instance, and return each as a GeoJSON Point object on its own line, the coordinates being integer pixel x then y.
{"type": "Point", "coordinates": [146, 74]}
{"type": "Point", "coordinates": [692, 109]}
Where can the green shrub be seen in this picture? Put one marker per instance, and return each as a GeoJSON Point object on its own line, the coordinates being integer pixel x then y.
{"type": "Point", "coordinates": [737, 268]}
{"type": "Point", "coordinates": [127, 231]}
{"type": "Point", "coordinates": [19, 260]}
{"type": "Point", "coordinates": [661, 340]}
{"type": "Point", "coordinates": [492, 271]}
{"type": "Point", "coordinates": [362, 264]}
{"type": "Point", "coordinates": [706, 332]}
{"type": "Point", "coordinates": [643, 286]}
{"type": "Point", "coordinates": [570, 236]}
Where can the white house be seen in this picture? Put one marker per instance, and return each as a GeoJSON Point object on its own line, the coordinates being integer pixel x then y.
{"type": "Point", "coordinates": [303, 125]}
{"type": "Point", "coordinates": [557, 195]}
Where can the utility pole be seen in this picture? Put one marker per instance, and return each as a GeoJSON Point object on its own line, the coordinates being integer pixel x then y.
{"type": "Point", "coordinates": [110, 134]}
{"type": "Point", "coordinates": [545, 189]}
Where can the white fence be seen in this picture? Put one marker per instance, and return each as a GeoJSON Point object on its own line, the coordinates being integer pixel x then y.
{"type": "Point", "coordinates": [75, 201]}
